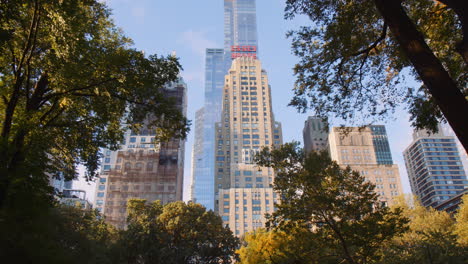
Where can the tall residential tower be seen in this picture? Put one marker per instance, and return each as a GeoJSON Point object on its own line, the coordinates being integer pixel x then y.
{"type": "Point", "coordinates": [434, 167]}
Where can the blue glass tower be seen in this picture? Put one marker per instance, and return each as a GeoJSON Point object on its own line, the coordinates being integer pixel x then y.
{"type": "Point", "coordinates": [203, 152]}
{"type": "Point", "coordinates": [240, 36]}
{"type": "Point", "coordinates": [381, 145]}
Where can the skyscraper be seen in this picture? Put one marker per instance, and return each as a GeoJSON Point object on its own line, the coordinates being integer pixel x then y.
{"type": "Point", "coordinates": [240, 29]}
{"type": "Point", "coordinates": [244, 191]}
{"type": "Point", "coordinates": [434, 167]}
{"type": "Point", "coordinates": [240, 39]}
{"type": "Point", "coordinates": [367, 151]}
{"type": "Point", "coordinates": [315, 134]}
{"type": "Point", "coordinates": [203, 153]}
{"type": "Point", "coordinates": [142, 168]}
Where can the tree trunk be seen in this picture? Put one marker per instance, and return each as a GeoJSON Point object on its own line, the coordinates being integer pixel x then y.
{"type": "Point", "coordinates": [441, 86]}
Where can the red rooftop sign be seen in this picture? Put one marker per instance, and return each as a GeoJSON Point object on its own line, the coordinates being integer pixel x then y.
{"type": "Point", "coordinates": [243, 51]}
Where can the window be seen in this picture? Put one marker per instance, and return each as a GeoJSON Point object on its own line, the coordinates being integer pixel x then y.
{"type": "Point", "coordinates": [106, 167]}
{"type": "Point", "coordinates": [102, 187]}
{"type": "Point", "coordinates": [102, 180]}
{"type": "Point", "coordinates": [247, 173]}
{"type": "Point", "coordinates": [100, 194]}
{"type": "Point", "coordinates": [132, 139]}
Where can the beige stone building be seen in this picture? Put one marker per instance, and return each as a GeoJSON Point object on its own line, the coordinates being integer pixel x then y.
{"type": "Point", "coordinates": [243, 191]}
{"type": "Point", "coordinates": [367, 151]}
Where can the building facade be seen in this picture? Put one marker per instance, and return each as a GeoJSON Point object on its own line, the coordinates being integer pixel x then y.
{"type": "Point", "coordinates": [367, 151]}
{"type": "Point", "coordinates": [142, 168]}
{"type": "Point", "coordinates": [434, 167]}
{"type": "Point", "coordinates": [244, 190]}
{"type": "Point", "coordinates": [315, 134]}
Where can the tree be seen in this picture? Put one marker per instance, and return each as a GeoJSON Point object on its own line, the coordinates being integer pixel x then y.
{"type": "Point", "coordinates": [431, 238]}
{"type": "Point", "coordinates": [69, 81]}
{"type": "Point", "coordinates": [461, 225]}
{"type": "Point", "coordinates": [61, 234]}
{"type": "Point", "coordinates": [354, 59]}
{"type": "Point", "coordinates": [276, 246]}
{"type": "Point", "coordinates": [175, 233]}
{"type": "Point", "coordinates": [338, 205]}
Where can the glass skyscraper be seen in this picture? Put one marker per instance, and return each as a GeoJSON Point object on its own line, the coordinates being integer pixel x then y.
{"type": "Point", "coordinates": [434, 167]}
{"type": "Point", "coordinates": [381, 146]}
{"type": "Point", "coordinates": [203, 152]}
{"type": "Point", "coordinates": [240, 39]}
{"type": "Point", "coordinates": [240, 27]}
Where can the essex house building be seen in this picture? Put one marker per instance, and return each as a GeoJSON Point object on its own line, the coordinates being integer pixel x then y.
{"type": "Point", "coordinates": [367, 151]}
{"type": "Point", "coordinates": [243, 190]}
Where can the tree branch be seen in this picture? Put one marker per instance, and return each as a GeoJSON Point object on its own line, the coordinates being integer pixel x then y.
{"type": "Point", "coordinates": [367, 50]}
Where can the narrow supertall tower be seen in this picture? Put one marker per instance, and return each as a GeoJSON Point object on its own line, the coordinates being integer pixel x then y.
{"type": "Point", "coordinates": [244, 190]}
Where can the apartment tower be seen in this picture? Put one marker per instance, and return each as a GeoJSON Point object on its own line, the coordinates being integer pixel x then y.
{"type": "Point", "coordinates": [367, 151]}
{"type": "Point", "coordinates": [142, 168]}
{"type": "Point", "coordinates": [434, 167]}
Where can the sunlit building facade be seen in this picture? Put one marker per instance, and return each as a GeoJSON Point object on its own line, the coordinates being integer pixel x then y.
{"type": "Point", "coordinates": [367, 151]}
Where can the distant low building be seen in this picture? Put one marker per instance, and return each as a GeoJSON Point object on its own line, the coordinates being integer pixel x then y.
{"type": "Point", "coordinates": [315, 134]}
{"type": "Point", "coordinates": [75, 198]}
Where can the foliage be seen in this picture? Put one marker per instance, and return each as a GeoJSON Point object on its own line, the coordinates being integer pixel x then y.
{"type": "Point", "coordinates": [56, 235]}
{"type": "Point", "coordinates": [69, 80]}
{"type": "Point", "coordinates": [175, 233]}
{"type": "Point", "coordinates": [353, 59]}
{"type": "Point", "coordinates": [346, 218]}
{"type": "Point", "coordinates": [276, 246]}
{"type": "Point", "coordinates": [461, 225]}
{"type": "Point", "coordinates": [431, 238]}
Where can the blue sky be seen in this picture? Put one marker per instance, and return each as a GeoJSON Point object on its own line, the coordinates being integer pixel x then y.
{"type": "Point", "coordinates": [190, 26]}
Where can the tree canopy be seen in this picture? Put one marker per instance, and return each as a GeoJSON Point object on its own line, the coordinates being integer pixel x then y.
{"type": "Point", "coordinates": [175, 233]}
{"type": "Point", "coordinates": [347, 221]}
{"type": "Point", "coordinates": [356, 54]}
{"type": "Point", "coordinates": [69, 82]}
{"type": "Point", "coordinates": [432, 237]}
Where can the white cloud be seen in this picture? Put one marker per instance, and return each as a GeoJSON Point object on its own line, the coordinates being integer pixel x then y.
{"type": "Point", "coordinates": [197, 41]}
